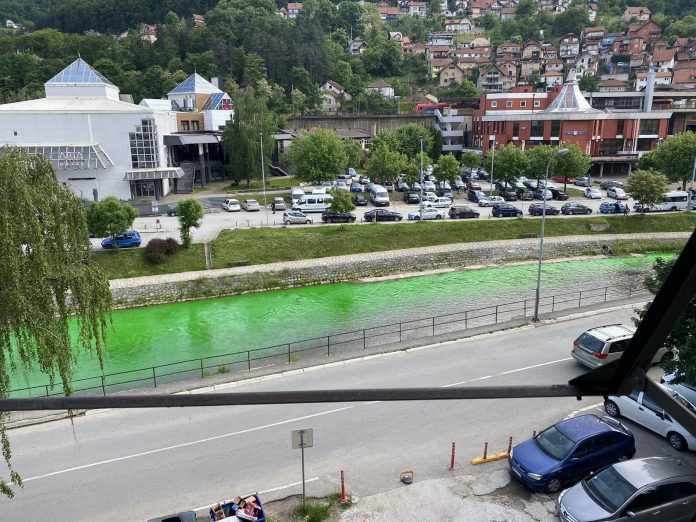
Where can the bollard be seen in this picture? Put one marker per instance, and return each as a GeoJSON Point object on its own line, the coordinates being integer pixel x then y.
{"type": "Point", "coordinates": [452, 467]}
{"type": "Point", "coordinates": [343, 498]}
{"type": "Point", "coordinates": [485, 450]}
{"type": "Point", "coordinates": [509, 445]}
{"type": "Point", "coordinates": [534, 434]}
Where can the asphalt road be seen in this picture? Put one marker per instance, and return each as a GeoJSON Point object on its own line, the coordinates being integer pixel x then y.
{"type": "Point", "coordinates": [135, 464]}
{"type": "Point", "coordinates": [217, 219]}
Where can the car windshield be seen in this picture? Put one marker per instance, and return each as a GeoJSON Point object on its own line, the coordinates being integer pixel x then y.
{"type": "Point", "coordinates": [685, 402]}
{"type": "Point", "coordinates": [609, 489]}
{"type": "Point", "coordinates": [554, 443]}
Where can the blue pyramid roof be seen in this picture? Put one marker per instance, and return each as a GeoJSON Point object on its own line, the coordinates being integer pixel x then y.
{"type": "Point", "coordinates": [79, 72]}
{"type": "Point", "coordinates": [195, 84]}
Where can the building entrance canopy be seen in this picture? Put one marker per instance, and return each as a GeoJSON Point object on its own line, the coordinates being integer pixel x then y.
{"type": "Point", "coordinates": [156, 173]}
{"type": "Point", "coordinates": [78, 157]}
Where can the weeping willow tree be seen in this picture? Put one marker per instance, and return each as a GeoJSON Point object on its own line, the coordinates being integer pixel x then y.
{"type": "Point", "coordinates": [47, 279]}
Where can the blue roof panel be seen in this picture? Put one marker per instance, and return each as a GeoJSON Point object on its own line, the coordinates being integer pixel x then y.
{"type": "Point", "coordinates": [195, 84]}
{"type": "Point", "coordinates": [78, 72]}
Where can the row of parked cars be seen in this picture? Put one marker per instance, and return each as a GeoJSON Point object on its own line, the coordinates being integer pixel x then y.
{"type": "Point", "coordinates": [592, 457]}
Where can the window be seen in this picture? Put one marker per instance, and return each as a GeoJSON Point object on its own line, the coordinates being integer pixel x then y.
{"type": "Point", "coordinates": [516, 128]}
{"type": "Point", "coordinates": [194, 125]}
{"type": "Point", "coordinates": [537, 103]}
{"type": "Point", "coordinates": [605, 441]}
{"type": "Point", "coordinates": [508, 104]}
{"type": "Point", "coordinates": [583, 449]}
{"type": "Point", "coordinates": [677, 491]}
{"type": "Point", "coordinates": [185, 125]}
{"type": "Point", "coordinates": [649, 126]}
{"type": "Point", "coordinates": [556, 129]}
{"type": "Point", "coordinates": [143, 145]}
{"type": "Point", "coordinates": [647, 500]}
{"type": "Point", "coordinates": [618, 346]}
{"type": "Point", "coordinates": [537, 129]}
{"type": "Point", "coordinates": [494, 104]}
{"type": "Point", "coordinates": [651, 404]}
{"type": "Point", "coordinates": [523, 104]}
{"type": "Point", "coordinates": [620, 128]}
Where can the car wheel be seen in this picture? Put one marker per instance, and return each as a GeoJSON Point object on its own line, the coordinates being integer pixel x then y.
{"type": "Point", "coordinates": [308, 222]}
{"type": "Point", "coordinates": [612, 408]}
{"type": "Point", "coordinates": [554, 485]}
{"type": "Point", "coordinates": [399, 219]}
{"type": "Point", "coordinates": [667, 358]}
{"type": "Point", "coordinates": [352, 220]}
{"type": "Point", "coordinates": [287, 221]}
{"type": "Point", "coordinates": [623, 458]}
{"type": "Point", "coordinates": [676, 441]}
{"type": "Point", "coordinates": [438, 217]}
{"type": "Point", "coordinates": [673, 209]}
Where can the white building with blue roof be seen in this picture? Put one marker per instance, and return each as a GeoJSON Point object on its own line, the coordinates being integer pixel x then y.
{"type": "Point", "coordinates": [99, 145]}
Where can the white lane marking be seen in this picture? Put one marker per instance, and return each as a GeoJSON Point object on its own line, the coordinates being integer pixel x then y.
{"type": "Point", "coordinates": [466, 382]}
{"type": "Point", "coordinates": [586, 408]}
{"type": "Point", "coordinates": [535, 366]}
{"type": "Point", "coordinates": [185, 444]}
{"type": "Point", "coordinates": [264, 492]}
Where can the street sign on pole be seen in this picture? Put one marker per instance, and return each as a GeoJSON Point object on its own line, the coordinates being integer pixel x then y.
{"type": "Point", "coordinates": [302, 439]}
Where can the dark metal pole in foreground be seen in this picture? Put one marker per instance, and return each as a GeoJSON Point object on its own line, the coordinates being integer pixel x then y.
{"type": "Point", "coordinates": [559, 152]}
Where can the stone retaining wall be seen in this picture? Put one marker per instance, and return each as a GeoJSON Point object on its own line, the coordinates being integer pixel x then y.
{"type": "Point", "coordinates": [213, 283]}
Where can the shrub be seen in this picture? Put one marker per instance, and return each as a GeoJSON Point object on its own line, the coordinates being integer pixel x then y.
{"type": "Point", "coordinates": [157, 250]}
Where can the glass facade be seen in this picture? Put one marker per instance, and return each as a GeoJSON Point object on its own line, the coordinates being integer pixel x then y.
{"type": "Point", "coordinates": [143, 146]}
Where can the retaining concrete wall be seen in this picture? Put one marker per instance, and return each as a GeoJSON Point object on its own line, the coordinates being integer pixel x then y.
{"type": "Point", "coordinates": [213, 283]}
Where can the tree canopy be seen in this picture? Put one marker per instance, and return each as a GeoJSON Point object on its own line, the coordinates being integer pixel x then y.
{"type": "Point", "coordinates": [318, 156]}
{"type": "Point", "coordinates": [646, 186]}
{"type": "Point", "coordinates": [48, 280]}
{"type": "Point", "coordinates": [109, 217]}
{"type": "Point", "coordinates": [190, 214]}
{"type": "Point", "coordinates": [675, 157]}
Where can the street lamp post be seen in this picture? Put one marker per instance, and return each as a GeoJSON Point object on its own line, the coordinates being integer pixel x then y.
{"type": "Point", "coordinates": [559, 152]}
{"type": "Point", "coordinates": [263, 180]}
{"type": "Point", "coordinates": [691, 188]}
{"type": "Point", "coordinates": [421, 179]}
{"type": "Point", "coordinates": [490, 191]}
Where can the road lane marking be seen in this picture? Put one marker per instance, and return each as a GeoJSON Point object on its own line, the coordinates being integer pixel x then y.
{"type": "Point", "coordinates": [184, 445]}
{"type": "Point", "coordinates": [264, 491]}
{"type": "Point", "coordinates": [535, 366]}
{"type": "Point", "coordinates": [586, 408]}
{"type": "Point", "coordinates": [467, 382]}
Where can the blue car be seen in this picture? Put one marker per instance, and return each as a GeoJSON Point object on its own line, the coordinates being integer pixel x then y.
{"type": "Point", "coordinates": [569, 451]}
{"type": "Point", "coordinates": [130, 238]}
{"type": "Point", "coordinates": [611, 207]}
{"type": "Point", "coordinates": [355, 187]}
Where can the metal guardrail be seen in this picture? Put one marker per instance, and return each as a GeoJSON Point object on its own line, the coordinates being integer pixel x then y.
{"type": "Point", "coordinates": [328, 345]}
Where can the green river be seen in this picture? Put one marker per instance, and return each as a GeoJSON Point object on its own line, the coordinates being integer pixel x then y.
{"type": "Point", "coordinates": [156, 335]}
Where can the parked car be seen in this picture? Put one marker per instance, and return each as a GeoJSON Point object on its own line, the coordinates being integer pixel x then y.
{"type": "Point", "coordinates": [462, 212]}
{"type": "Point", "coordinates": [416, 186]}
{"type": "Point", "coordinates": [489, 201]}
{"type": "Point", "coordinates": [337, 217]}
{"type": "Point", "coordinates": [446, 194]}
{"type": "Point", "coordinates": [359, 200]}
{"type": "Point", "coordinates": [411, 198]}
{"type": "Point", "coordinates": [382, 214]}
{"type": "Point", "coordinates": [475, 195]}
{"type": "Point", "coordinates": [543, 193]}
{"type": "Point", "coordinates": [562, 179]}
{"type": "Point", "coordinates": [352, 173]}
{"type": "Point", "coordinates": [609, 207]}
{"type": "Point", "coordinates": [616, 193]}
{"type": "Point", "coordinates": [278, 204]}
{"type": "Point", "coordinates": [575, 208]}
{"type": "Point", "coordinates": [429, 186]}
{"type": "Point", "coordinates": [640, 408]}
{"type": "Point", "coordinates": [660, 489]}
{"type": "Point", "coordinates": [402, 186]}
{"type": "Point", "coordinates": [583, 181]}
{"type": "Point", "coordinates": [130, 238]}
{"type": "Point", "coordinates": [506, 210]}
{"type": "Point", "coordinates": [525, 195]}
{"type": "Point", "coordinates": [558, 194]}
{"type": "Point", "coordinates": [592, 193]}
{"type": "Point", "coordinates": [355, 187]}
{"type": "Point", "coordinates": [606, 185]}
{"type": "Point", "coordinates": [172, 209]}
{"type": "Point", "coordinates": [603, 344]}
{"type": "Point", "coordinates": [509, 195]}
{"type": "Point", "coordinates": [569, 451]}
{"type": "Point", "coordinates": [459, 185]}
{"type": "Point", "coordinates": [537, 209]}
{"type": "Point", "coordinates": [363, 180]}
{"type": "Point", "coordinates": [295, 217]}
{"type": "Point", "coordinates": [438, 202]}
{"type": "Point", "coordinates": [341, 185]}
{"type": "Point", "coordinates": [675, 382]}
{"type": "Point", "coordinates": [473, 185]}
{"type": "Point", "coordinates": [389, 186]}
{"type": "Point", "coordinates": [428, 213]}
{"type": "Point", "coordinates": [251, 205]}
{"type": "Point", "coordinates": [231, 205]}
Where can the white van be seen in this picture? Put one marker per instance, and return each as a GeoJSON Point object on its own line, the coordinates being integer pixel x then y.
{"type": "Point", "coordinates": [379, 196]}
{"type": "Point", "coordinates": [671, 201]}
{"type": "Point", "coordinates": [296, 193]}
{"type": "Point", "coordinates": [313, 203]}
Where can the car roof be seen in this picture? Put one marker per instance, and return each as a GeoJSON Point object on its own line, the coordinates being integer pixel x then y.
{"type": "Point", "coordinates": [611, 331]}
{"type": "Point", "coordinates": [583, 426]}
{"type": "Point", "coordinates": [642, 472]}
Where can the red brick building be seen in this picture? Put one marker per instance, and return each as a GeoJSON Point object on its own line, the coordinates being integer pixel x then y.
{"type": "Point", "coordinates": [613, 139]}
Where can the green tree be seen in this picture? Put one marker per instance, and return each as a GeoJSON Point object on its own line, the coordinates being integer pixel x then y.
{"type": "Point", "coordinates": [241, 139]}
{"type": "Point", "coordinates": [675, 157]}
{"type": "Point", "coordinates": [571, 165]}
{"type": "Point", "coordinates": [538, 157]}
{"type": "Point", "coordinates": [354, 152]}
{"type": "Point", "coordinates": [572, 20]}
{"type": "Point", "coordinates": [471, 159]}
{"type": "Point", "coordinates": [509, 164]}
{"type": "Point", "coordinates": [465, 88]}
{"type": "Point", "coordinates": [588, 83]}
{"type": "Point", "coordinates": [385, 164]}
{"type": "Point", "coordinates": [109, 218]}
{"type": "Point", "coordinates": [49, 281]}
{"type": "Point", "coordinates": [409, 140]}
{"type": "Point", "coordinates": [190, 214]}
{"type": "Point", "coordinates": [682, 338]}
{"type": "Point", "coordinates": [342, 201]}
{"type": "Point", "coordinates": [447, 168]}
{"type": "Point", "coordinates": [526, 8]}
{"type": "Point", "coordinates": [647, 162]}
{"type": "Point", "coordinates": [318, 156]}
{"type": "Point", "coordinates": [646, 186]}
{"type": "Point", "coordinates": [254, 70]}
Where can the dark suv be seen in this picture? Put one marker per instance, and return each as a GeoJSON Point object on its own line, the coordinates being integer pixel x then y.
{"type": "Point", "coordinates": [475, 195]}
{"type": "Point", "coordinates": [558, 194]}
{"type": "Point", "coordinates": [506, 210]}
{"type": "Point", "coordinates": [462, 211]}
{"type": "Point", "coordinates": [337, 217]}
{"type": "Point", "coordinates": [411, 197]}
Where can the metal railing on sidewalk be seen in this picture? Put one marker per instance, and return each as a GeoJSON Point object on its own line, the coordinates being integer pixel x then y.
{"type": "Point", "coordinates": [326, 346]}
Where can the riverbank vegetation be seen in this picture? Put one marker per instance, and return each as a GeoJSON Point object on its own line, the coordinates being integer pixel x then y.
{"type": "Point", "coordinates": [268, 245]}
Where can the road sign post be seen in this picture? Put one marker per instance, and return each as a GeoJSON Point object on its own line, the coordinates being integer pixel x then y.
{"type": "Point", "coordinates": [302, 439]}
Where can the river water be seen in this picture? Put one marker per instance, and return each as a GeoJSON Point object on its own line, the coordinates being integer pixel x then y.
{"type": "Point", "coordinates": [162, 334]}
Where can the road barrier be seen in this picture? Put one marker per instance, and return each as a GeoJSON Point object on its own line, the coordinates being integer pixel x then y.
{"type": "Point", "coordinates": [491, 458]}
{"type": "Point", "coordinates": [452, 466]}
{"type": "Point", "coordinates": [319, 348]}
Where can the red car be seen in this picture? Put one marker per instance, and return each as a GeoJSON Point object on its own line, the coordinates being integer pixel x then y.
{"type": "Point", "coordinates": [562, 179]}
{"type": "Point", "coordinates": [472, 185]}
